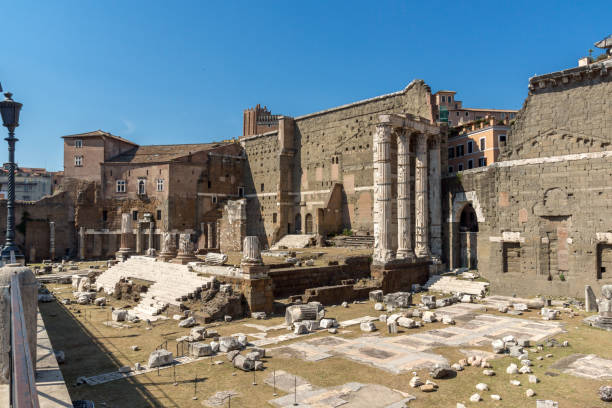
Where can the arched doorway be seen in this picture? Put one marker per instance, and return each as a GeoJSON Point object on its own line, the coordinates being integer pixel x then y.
{"type": "Point", "coordinates": [468, 232]}
{"type": "Point", "coordinates": [308, 224]}
{"type": "Point", "coordinates": [298, 223]}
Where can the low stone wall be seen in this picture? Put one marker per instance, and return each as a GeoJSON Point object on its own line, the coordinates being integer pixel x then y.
{"type": "Point", "coordinates": [295, 281]}
{"type": "Point", "coordinates": [400, 277]}
{"type": "Point", "coordinates": [333, 295]}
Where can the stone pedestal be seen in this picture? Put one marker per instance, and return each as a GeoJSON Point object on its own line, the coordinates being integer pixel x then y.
{"type": "Point", "coordinates": [603, 320]}
{"type": "Point", "coordinates": [186, 253]}
{"type": "Point", "coordinates": [252, 265]}
{"type": "Point", "coordinates": [168, 247]}
{"type": "Point", "coordinates": [126, 230]}
{"type": "Point", "coordinates": [400, 274]}
{"type": "Point", "coordinates": [259, 294]}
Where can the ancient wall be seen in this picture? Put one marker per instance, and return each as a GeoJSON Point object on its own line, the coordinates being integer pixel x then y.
{"type": "Point", "coordinates": [291, 172]}
{"type": "Point", "coordinates": [232, 226]}
{"type": "Point", "coordinates": [544, 224]}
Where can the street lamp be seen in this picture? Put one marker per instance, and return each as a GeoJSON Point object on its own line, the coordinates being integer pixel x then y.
{"type": "Point", "coordinates": [10, 118]}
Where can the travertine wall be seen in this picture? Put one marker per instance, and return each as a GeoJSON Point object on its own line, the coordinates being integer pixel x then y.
{"type": "Point", "coordinates": [545, 210]}
{"type": "Point", "coordinates": [300, 164]}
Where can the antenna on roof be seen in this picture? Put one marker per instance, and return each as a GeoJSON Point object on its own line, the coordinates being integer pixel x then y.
{"type": "Point", "coordinates": [0, 86]}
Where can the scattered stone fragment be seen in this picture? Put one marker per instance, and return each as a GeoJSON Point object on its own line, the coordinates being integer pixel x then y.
{"type": "Point", "coordinates": [533, 379]}
{"type": "Point", "coordinates": [344, 304]}
{"type": "Point", "coordinates": [496, 397]}
{"type": "Point", "coordinates": [406, 322]}
{"type": "Point", "coordinates": [520, 307]}
{"type": "Point", "coordinates": [427, 388]}
{"type": "Point", "coordinates": [547, 404]}
{"type": "Point", "coordinates": [227, 318]}
{"type": "Point", "coordinates": [475, 398]}
{"type": "Point", "coordinates": [460, 405]}
{"type": "Point", "coordinates": [605, 393]}
{"type": "Point", "coordinates": [200, 350]}
{"type": "Point", "coordinates": [379, 307]}
{"type": "Point", "coordinates": [523, 342]}
{"type": "Point", "coordinates": [502, 309]}
{"type": "Point", "coordinates": [429, 317]}
{"type": "Point", "coordinates": [448, 320]}
{"type": "Point", "coordinates": [489, 373]}
{"type": "Point", "coordinates": [101, 301]}
{"type": "Point", "coordinates": [177, 317]}
{"type": "Point", "coordinates": [525, 370]}
{"type": "Point", "coordinates": [188, 322]}
{"type": "Point", "coordinates": [328, 323]}
{"type": "Point", "coordinates": [441, 371]}
{"type": "Point", "coordinates": [498, 346]}
{"type": "Point", "coordinates": [549, 356]}
{"type": "Point", "coordinates": [457, 367]}
{"type": "Point", "coordinates": [259, 315]}
{"type": "Point", "coordinates": [135, 348]}
{"type": "Point", "coordinates": [530, 393]}
{"type": "Point", "coordinates": [243, 363]}
{"type": "Point", "coordinates": [228, 343]}
{"type": "Point", "coordinates": [214, 345]}
{"type": "Point", "coordinates": [231, 355]}
{"type": "Point", "coordinates": [526, 362]}
{"type": "Point", "coordinates": [137, 366]}
{"type": "Point", "coordinates": [415, 382]}
{"type": "Point", "coordinates": [367, 326]}
{"type": "Point", "coordinates": [333, 330]}
{"type": "Point", "coordinates": [300, 328]}
{"type": "Point", "coordinates": [515, 382]}
{"type": "Point", "coordinates": [466, 299]}
{"type": "Point", "coordinates": [376, 295]}
{"type": "Point", "coordinates": [242, 340]}
{"type": "Point", "coordinates": [382, 318]}
{"type": "Point", "coordinates": [119, 315]}
{"type": "Point", "coordinates": [565, 344]}
{"type": "Point", "coordinates": [482, 387]}
{"type": "Point", "coordinates": [159, 358]}
{"type": "Point", "coordinates": [512, 369]}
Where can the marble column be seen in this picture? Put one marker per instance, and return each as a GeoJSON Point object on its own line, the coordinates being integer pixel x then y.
{"type": "Point", "coordinates": [420, 190]}
{"type": "Point", "coordinates": [435, 201]}
{"type": "Point", "coordinates": [52, 240]}
{"type": "Point", "coordinates": [210, 233]}
{"type": "Point", "coordinates": [404, 233]}
{"type": "Point", "coordinates": [139, 238]}
{"type": "Point", "coordinates": [383, 251]}
{"type": "Point", "coordinates": [251, 253]}
{"type": "Point", "coordinates": [126, 230]}
{"type": "Point", "coordinates": [82, 243]}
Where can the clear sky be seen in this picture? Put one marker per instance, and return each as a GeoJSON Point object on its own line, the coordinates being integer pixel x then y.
{"type": "Point", "coordinates": [161, 72]}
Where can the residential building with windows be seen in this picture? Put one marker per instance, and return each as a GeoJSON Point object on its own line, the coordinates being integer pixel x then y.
{"type": "Point", "coordinates": [449, 109]}
{"type": "Point", "coordinates": [476, 144]}
{"type": "Point", "coordinates": [31, 184]}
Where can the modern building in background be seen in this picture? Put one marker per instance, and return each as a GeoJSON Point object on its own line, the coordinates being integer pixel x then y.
{"type": "Point", "coordinates": [451, 110]}
{"type": "Point", "coordinates": [31, 184]}
{"type": "Point", "coordinates": [476, 143]}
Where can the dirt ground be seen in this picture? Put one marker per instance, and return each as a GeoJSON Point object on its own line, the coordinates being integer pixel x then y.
{"type": "Point", "coordinates": [93, 348]}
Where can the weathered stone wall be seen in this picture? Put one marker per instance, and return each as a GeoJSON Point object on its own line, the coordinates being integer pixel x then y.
{"type": "Point", "coordinates": [232, 226]}
{"type": "Point", "coordinates": [299, 164]}
{"type": "Point", "coordinates": [544, 210]}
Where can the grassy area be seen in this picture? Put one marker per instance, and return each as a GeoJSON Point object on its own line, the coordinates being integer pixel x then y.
{"type": "Point", "coordinates": [92, 348]}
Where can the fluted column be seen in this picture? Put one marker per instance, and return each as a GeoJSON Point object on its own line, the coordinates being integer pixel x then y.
{"type": "Point", "coordinates": [404, 233]}
{"type": "Point", "coordinates": [382, 194]}
{"type": "Point", "coordinates": [211, 234]}
{"type": "Point", "coordinates": [435, 201]}
{"type": "Point", "coordinates": [421, 208]}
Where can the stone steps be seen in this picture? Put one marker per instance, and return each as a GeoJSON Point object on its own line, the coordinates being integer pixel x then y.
{"type": "Point", "coordinates": [171, 283]}
{"type": "Point", "coordinates": [449, 284]}
{"type": "Point", "coordinates": [366, 241]}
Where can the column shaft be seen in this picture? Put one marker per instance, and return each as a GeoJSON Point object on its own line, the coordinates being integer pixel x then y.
{"type": "Point", "coordinates": [421, 208]}
{"type": "Point", "coordinates": [435, 200]}
{"type": "Point", "coordinates": [404, 233]}
{"type": "Point", "coordinates": [382, 194]}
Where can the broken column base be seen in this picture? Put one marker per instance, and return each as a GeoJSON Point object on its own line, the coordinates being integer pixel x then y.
{"type": "Point", "coordinates": [600, 322]}
{"type": "Point", "coordinates": [184, 259]}
{"type": "Point", "coordinates": [401, 274]}
{"type": "Point", "coordinates": [259, 294]}
{"type": "Point", "coordinates": [166, 256]}
{"type": "Point", "coordinates": [123, 254]}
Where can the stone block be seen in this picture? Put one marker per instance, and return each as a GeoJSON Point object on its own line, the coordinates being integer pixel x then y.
{"type": "Point", "coordinates": [160, 358]}
{"type": "Point", "coordinates": [200, 350]}
{"type": "Point", "coordinates": [228, 343]}
{"type": "Point", "coordinates": [376, 295]}
{"type": "Point", "coordinates": [119, 315]}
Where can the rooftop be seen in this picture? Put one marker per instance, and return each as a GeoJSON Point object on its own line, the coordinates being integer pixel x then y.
{"type": "Point", "coordinates": [162, 153]}
{"type": "Point", "coordinates": [99, 133]}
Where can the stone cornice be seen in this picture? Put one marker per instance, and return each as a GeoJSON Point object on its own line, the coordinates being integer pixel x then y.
{"type": "Point", "coordinates": [577, 74]}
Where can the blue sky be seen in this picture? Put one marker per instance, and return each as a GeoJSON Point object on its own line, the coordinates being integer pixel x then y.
{"type": "Point", "coordinates": [160, 72]}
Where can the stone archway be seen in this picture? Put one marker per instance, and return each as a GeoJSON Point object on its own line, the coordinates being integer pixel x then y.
{"type": "Point", "coordinates": [468, 236]}
{"type": "Point", "coordinates": [308, 224]}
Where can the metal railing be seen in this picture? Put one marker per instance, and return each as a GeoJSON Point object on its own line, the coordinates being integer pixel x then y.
{"type": "Point", "coordinates": [23, 382]}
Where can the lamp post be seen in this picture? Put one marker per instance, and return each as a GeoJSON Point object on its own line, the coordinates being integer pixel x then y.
{"type": "Point", "coordinates": [10, 119]}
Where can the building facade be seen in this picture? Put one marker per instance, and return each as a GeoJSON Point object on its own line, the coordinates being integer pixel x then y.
{"type": "Point", "coordinates": [450, 110]}
{"type": "Point", "coordinates": [476, 144]}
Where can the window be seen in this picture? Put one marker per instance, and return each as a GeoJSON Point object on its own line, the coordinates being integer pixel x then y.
{"type": "Point", "coordinates": [483, 144]}
{"type": "Point", "coordinates": [459, 150]}
{"type": "Point", "coordinates": [209, 184]}
{"type": "Point", "coordinates": [274, 218]}
{"type": "Point", "coordinates": [78, 143]}
{"type": "Point", "coordinates": [141, 187]}
{"type": "Point", "coordinates": [135, 215]}
{"type": "Point", "coordinates": [466, 113]}
{"type": "Point", "coordinates": [460, 167]}
{"type": "Point", "coordinates": [214, 199]}
{"type": "Point", "coordinates": [482, 162]}
{"type": "Point", "coordinates": [450, 98]}
{"type": "Point", "coordinates": [457, 113]}
{"type": "Point", "coordinates": [502, 138]}
{"type": "Point", "coordinates": [121, 186]}
{"type": "Point", "coordinates": [470, 164]}
{"type": "Point", "coordinates": [104, 215]}
{"type": "Point", "coordinates": [470, 146]}
{"type": "Point", "coordinates": [450, 169]}
{"type": "Point", "coordinates": [158, 215]}
{"type": "Point", "coordinates": [240, 192]}
{"type": "Point", "coordinates": [512, 115]}
{"type": "Point", "coordinates": [451, 152]}
{"type": "Point", "coordinates": [160, 184]}
{"type": "Point", "coordinates": [262, 187]}
{"type": "Point", "coordinates": [78, 161]}
{"type": "Point", "coordinates": [443, 98]}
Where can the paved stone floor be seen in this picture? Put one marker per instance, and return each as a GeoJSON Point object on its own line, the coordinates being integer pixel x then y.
{"type": "Point", "coordinates": [350, 395]}
{"type": "Point", "coordinates": [407, 352]}
{"type": "Point", "coordinates": [587, 366]}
